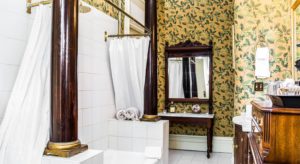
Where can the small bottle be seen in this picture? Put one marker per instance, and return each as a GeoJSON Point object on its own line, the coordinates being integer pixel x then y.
{"type": "Point", "coordinates": [172, 108]}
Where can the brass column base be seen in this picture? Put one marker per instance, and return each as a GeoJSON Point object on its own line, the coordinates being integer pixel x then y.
{"type": "Point", "coordinates": [65, 150]}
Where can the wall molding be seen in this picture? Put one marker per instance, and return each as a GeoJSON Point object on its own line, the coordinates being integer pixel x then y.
{"type": "Point", "coordinates": [198, 143]}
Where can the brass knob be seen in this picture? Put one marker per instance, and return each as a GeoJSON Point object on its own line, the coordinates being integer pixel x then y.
{"type": "Point", "coordinates": [235, 146]}
{"type": "Point", "coordinates": [242, 139]}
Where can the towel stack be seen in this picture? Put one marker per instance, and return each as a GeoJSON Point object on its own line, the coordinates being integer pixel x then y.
{"type": "Point", "coordinates": [131, 113]}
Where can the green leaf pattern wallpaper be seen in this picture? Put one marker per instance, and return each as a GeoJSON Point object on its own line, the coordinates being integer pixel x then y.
{"type": "Point", "coordinates": [200, 20]}
{"type": "Point", "coordinates": [298, 39]}
{"type": "Point", "coordinates": [205, 20]}
{"type": "Point", "coordinates": [273, 19]}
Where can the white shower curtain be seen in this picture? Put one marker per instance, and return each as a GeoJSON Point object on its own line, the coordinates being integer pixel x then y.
{"type": "Point", "coordinates": [128, 60]}
{"type": "Point", "coordinates": [24, 131]}
{"type": "Point", "coordinates": [175, 75]}
{"type": "Point", "coordinates": [206, 75]}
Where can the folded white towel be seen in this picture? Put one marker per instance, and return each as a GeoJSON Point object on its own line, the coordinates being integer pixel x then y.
{"type": "Point", "coordinates": [154, 152]}
{"type": "Point", "coordinates": [121, 115]}
{"type": "Point", "coordinates": [132, 113]}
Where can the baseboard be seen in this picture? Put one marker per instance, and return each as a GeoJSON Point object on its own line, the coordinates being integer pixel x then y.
{"type": "Point", "coordinates": [198, 143]}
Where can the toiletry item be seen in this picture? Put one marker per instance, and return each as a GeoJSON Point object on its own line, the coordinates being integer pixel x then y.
{"type": "Point", "coordinates": [196, 108]}
{"type": "Point", "coordinates": [165, 111]}
{"type": "Point", "coordinates": [172, 108]}
{"type": "Point", "coordinates": [248, 110]}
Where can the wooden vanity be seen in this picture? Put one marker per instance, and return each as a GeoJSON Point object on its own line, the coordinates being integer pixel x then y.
{"type": "Point", "coordinates": [274, 138]}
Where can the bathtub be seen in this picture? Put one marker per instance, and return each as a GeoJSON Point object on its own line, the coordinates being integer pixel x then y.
{"type": "Point", "coordinates": [125, 157]}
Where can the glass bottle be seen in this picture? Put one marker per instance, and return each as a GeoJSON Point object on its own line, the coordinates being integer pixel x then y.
{"type": "Point", "coordinates": [172, 108]}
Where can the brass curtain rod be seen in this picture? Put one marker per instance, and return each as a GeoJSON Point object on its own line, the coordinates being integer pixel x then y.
{"type": "Point", "coordinates": [128, 15]}
{"type": "Point", "coordinates": [124, 35]}
{"type": "Point", "coordinates": [82, 9]}
{"type": "Point", "coordinates": [35, 4]}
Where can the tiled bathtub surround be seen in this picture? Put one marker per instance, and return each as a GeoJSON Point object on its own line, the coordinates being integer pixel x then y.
{"type": "Point", "coordinates": [135, 136]}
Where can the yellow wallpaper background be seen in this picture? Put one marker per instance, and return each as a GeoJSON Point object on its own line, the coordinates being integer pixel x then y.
{"type": "Point", "coordinates": [273, 18]}
{"type": "Point", "coordinates": [205, 20]}
{"type": "Point", "coordinates": [200, 20]}
{"type": "Point", "coordinates": [297, 56]}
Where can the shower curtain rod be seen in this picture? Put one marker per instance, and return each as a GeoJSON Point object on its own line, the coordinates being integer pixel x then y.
{"type": "Point", "coordinates": [123, 35]}
{"type": "Point", "coordinates": [82, 8]}
{"type": "Point", "coordinates": [148, 31]}
{"type": "Point", "coordinates": [35, 4]}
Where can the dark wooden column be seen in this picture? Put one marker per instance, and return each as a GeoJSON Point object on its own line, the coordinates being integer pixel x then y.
{"type": "Point", "coordinates": [151, 74]}
{"type": "Point", "coordinates": [64, 97]}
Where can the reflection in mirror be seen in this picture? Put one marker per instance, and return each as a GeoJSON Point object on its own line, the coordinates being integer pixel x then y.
{"type": "Point", "coordinates": [189, 77]}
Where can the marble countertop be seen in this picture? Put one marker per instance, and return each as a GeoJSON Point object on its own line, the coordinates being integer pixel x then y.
{"type": "Point", "coordinates": [244, 121]}
{"type": "Point", "coordinates": [191, 115]}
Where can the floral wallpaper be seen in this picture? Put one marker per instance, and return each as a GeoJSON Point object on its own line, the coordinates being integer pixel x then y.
{"type": "Point", "coordinates": [273, 19]}
{"type": "Point", "coordinates": [298, 39]}
{"type": "Point", "coordinates": [200, 20]}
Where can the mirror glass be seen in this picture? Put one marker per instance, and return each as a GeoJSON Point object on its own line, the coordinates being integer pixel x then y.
{"type": "Point", "coordinates": [297, 38]}
{"type": "Point", "coordinates": [189, 77]}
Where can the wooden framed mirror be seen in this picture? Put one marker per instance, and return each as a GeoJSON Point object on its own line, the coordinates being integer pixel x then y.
{"type": "Point", "coordinates": [189, 72]}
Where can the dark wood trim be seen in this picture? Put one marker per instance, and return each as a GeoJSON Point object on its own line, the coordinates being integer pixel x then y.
{"type": "Point", "coordinates": [64, 108]}
{"type": "Point", "coordinates": [150, 98]}
{"type": "Point", "coordinates": [189, 49]}
{"type": "Point", "coordinates": [211, 75]}
{"type": "Point", "coordinates": [187, 54]}
{"type": "Point", "coordinates": [294, 111]}
{"type": "Point", "coordinates": [253, 147]}
{"type": "Point", "coordinates": [195, 100]}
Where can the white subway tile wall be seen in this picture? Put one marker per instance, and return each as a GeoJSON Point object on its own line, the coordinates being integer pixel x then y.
{"type": "Point", "coordinates": [14, 30]}
{"type": "Point", "coordinates": [135, 136]}
{"type": "Point", "coordinates": [96, 98]}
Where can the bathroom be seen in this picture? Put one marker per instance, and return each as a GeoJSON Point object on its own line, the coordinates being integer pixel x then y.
{"type": "Point", "coordinates": [172, 121]}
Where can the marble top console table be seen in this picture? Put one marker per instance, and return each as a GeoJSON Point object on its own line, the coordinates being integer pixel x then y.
{"type": "Point", "coordinates": [204, 120]}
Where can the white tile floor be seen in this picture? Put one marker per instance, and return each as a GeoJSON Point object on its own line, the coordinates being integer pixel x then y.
{"type": "Point", "coordinates": [194, 157]}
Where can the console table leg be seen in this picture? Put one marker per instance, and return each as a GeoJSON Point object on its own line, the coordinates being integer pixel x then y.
{"type": "Point", "coordinates": [209, 141]}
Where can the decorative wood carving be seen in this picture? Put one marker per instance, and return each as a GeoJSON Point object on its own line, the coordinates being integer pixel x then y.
{"type": "Point", "coordinates": [188, 43]}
